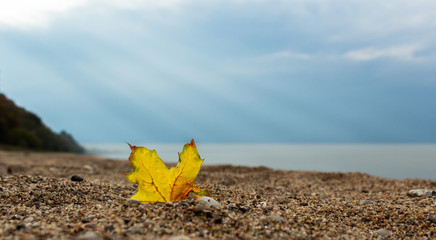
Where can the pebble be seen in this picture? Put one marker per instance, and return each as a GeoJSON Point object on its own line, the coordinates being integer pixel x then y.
{"type": "Point", "coordinates": [90, 225]}
{"type": "Point", "coordinates": [76, 178]}
{"type": "Point", "coordinates": [89, 168]}
{"type": "Point", "coordinates": [208, 201]}
{"type": "Point", "coordinates": [135, 230]}
{"type": "Point", "coordinates": [367, 202]}
{"type": "Point", "coordinates": [20, 226]}
{"type": "Point", "coordinates": [109, 228]}
{"type": "Point", "coordinates": [89, 236]}
{"type": "Point", "coordinates": [132, 202]}
{"type": "Point", "coordinates": [432, 219]}
{"type": "Point", "coordinates": [181, 237]}
{"type": "Point", "coordinates": [421, 193]}
{"type": "Point", "coordinates": [276, 218]}
{"type": "Point", "coordinates": [382, 232]}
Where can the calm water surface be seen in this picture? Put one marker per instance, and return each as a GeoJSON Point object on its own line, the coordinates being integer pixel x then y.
{"type": "Point", "coordinates": [385, 160]}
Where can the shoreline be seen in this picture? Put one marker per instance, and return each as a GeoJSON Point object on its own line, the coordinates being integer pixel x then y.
{"type": "Point", "coordinates": [39, 200]}
{"type": "Point", "coordinates": [397, 161]}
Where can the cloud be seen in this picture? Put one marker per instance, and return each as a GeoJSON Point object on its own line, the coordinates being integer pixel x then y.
{"type": "Point", "coordinates": [236, 70]}
{"type": "Point", "coordinates": [403, 52]}
{"type": "Point", "coordinates": [25, 14]}
{"type": "Point", "coordinates": [29, 14]}
{"type": "Point", "coordinates": [338, 19]}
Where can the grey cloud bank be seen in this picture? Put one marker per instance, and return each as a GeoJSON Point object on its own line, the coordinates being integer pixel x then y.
{"type": "Point", "coordinates": [232, 71]}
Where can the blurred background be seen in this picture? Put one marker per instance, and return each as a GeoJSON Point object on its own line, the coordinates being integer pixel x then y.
{"type": "Point", "coordinates": [273, 81]}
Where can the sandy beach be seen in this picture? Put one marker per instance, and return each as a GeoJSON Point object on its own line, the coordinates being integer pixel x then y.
{"type": "Point", "coordinates": [39, 200]}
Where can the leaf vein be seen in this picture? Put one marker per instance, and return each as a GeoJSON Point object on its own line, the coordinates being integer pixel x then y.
{"type": "Point", "coordinates": [153, 183]}
{"type": "Point", "coordinates": [175, 180]}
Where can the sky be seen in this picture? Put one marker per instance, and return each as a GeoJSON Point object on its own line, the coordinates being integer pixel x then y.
{"type": "Point", "coordinates": [270, 71]}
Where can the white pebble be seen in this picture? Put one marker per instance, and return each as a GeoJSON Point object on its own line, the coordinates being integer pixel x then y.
{"type": "Point", "coordinates": [382, 232]}
{"type": "Point", "coordinates": [208, 201]}
{"type": "Point", "coordinates": [89, 168]}
{"type": "Point", "coordinates": [420, 193]}
{"type": "Point", "coordinates": [89, 236]}
{"type": "Point", "coordinates": [276, 218]}
{"type": "Point", "coordinates": [179, 238]}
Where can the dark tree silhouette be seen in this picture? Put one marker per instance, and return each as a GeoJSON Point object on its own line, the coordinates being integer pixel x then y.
{"type": "Point", "coordinates": [21, 129]}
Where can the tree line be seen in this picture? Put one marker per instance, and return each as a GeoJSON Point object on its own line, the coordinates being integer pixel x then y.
{"type": "Point", "coordinates": [23, 130]}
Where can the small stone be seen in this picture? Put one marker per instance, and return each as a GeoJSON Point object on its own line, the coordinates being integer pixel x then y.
{"type": "Point", "coordinates": [135, 230]}
{"type": "Point", "coordinates": [76, 178]}
{"type": "Point", "coordinates": [181, 237]}
{"type": "Point", "coordinates": [35, 225]}
{"type": "Point", "coordinates": [276, 218]}
{"type": "Point", "coordinates": [85, 220]}
{"type": "Point", "coordinates": [382, 232]}
{"type": "Point", "coordinates": [109, 228]}
{"type": "Point", "coordinates": [420, 193]}
{"type": "Point", "coordinates": [208, 201]}
{"type": "Point", "coordinates": [30, 219]}
{"type": "Point", "coordinates": [89, 236]}
{"type": "Point", "coordinates": [244, 209]}
{"type": "Point", "coordinates": [366, 202]}
{"type": "Point", "coordinates": [432, 219]}
{"type": "Point", "coordinates": [90, 225]}
{"type": "Point", "coordinates": [89, 168]}
{"type": "Point", "coordinates": [132, 202]}
{"type": "Point", "coordinates": [192, 195]}
{"type": "Point", "coordinates": [20, 226]}
{"type": "Point", "coordinates": [292, 195]}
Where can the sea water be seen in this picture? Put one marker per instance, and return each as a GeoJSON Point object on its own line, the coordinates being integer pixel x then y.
{"type": "Point", "coordinates": [384, 160]}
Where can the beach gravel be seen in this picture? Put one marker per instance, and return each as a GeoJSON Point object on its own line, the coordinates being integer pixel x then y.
{"type": "Point", "coordinates": [40, 201]}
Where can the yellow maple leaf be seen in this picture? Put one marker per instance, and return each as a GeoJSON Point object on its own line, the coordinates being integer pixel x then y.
{"type": "Point", "coordinates": [157, 183]}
